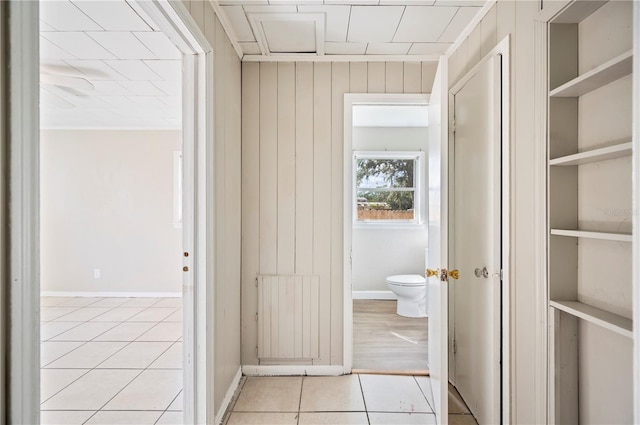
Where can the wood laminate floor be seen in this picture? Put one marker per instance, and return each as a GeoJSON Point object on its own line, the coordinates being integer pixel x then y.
{"type": "Point", "coordinates": [384, 341]}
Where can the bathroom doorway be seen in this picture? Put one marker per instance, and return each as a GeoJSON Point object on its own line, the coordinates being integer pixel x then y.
{"type": "Point", "coordinates": [386, 139]}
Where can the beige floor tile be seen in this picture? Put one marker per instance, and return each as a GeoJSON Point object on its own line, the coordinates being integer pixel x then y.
{"type": "Point", "coordinates": [165, 331]}
{"type": "Point", "coordinates": [379, 418]}
{"type": "Point", "coordinates": [64, 417]}
{"type": "Point", "coordinates": [177, 404]}
{"type": "Point", "coordinates": [332, 418]}
{"type": "Point", "coordinates": [169, 302]}
{"type": "Point", "coordinates": [127, 331]}
{"type": "Point", "coordinates": [53, 350]}
{"type": "Point", "coordinates": [54, 380]}
{"type": "Point", "coordinates": [176, 316]}
{"type": "Point", "coordinates": [384, 393]}
{"type": "Point", "coordinates": [83, 314]}
{"type": "Point", "coordinates": [141, 302]}
{"type": "Point", "coordinates": [124, 418]}
{"type": "Point", "coordinates": [85, 331]}
{"type": "Point", "coordinates": [53, 313]}
{"type": "Point", "coordinates": [331, 394]}
{"type": "Point", "coordinates": [462, 420]}
{"type": "Point", "coordinates": [424, 382]}
{"type": "Point", "coordinates": [81, 301]}
{"type": "Point", "coordinates": [240, 418]}
{"type": "Point", "coordinates": [52, 329]}
{"type": "Point", "coordinates": [152, 390]}
{"type": "Point", "coordinates": [170, 359]}
{"type": "Point", "coordinates": [136, 355]}
{"type": "Point", "coordinates": [111, 302]}
{"type": "Point", "coordinates": [171, 418]}
{"type": "Point", "coordinates": [91, 391]}
{"type": "Point", "coordinates": [270, 394]}
{"type": "Point", "coordinates": [88, 355]}
{"type": "Point", "coordinates": [118, 314]}
{"type": "Point", "coordinates": [152, 314]}
{"type": "Point", "coordinates": [51, 301]}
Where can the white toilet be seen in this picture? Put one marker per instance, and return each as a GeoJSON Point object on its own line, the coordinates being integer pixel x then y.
{"type": "Point", "coordinates": [411, 290]}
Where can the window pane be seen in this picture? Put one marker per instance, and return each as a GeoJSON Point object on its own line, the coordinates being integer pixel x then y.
{"type": "Point", "coordinates": [384, 173]}
{"type": "Point", "coordinates": [381, 205]}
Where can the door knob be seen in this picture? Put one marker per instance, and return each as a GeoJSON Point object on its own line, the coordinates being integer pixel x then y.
{"type": "Point", "coordinates": [455, 274]}
{"type": "Point", "coordinates": [482, 272]}
{"type": "Point", "coordinates": [431, 272]}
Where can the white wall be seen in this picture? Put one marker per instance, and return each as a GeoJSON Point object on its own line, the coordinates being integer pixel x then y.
{"type": "Point", "coordinates": [378, 253]}
{"type": "Point", "coordinates": [3, 207]}
{"type": "Point", "coordinates": [107, 203]}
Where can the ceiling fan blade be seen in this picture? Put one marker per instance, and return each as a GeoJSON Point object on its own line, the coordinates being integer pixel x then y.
{"type": "Point", "coordinates": [63, 81]}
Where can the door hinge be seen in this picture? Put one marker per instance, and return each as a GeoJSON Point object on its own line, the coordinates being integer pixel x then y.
{"type": "Point", "coordinates": [501, 274]}
{"type": "Point", "coordinates": [256, 282]}
{"type": "Point", "coordinates": [256, 351]}
{"type": "Point", "coordinates": [453, 125]}
{"type": "Point", "coordinates": [455, 346]}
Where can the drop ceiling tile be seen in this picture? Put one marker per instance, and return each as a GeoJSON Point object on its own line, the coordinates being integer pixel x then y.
{"type": "Point", "coordinates": [458, 24]}
{"type": "Point", "coordinates": [172, 88]}
{"type": "Point", "coordinates": [331, 48]}
{"type": "Point", "coordinates": [239, 22]}
{"type": "Point", "coordinates": [242, 2]}
{"type": "Point", "coordinates": [159, 44]}
{"type": "Point", "coordinates": [133, 70]}
{"type": "Point", "coordinates": [250, 48]}
{"type": "Point", "coordinates": [358, 2]}
{"type": "Point", "coordinates": [113, 15]}
{"type": "Point", "coordinates": [110, 88]}
{"type": "Point", "coordinates": [96, 70]}
{"type": "Point", "coordinates": [376, 24]}
{"type": "Point", "coordinates": [142, 14]}
{"type": "Point", "coordinates": [46, 27]}
{"type": "Point", "coordinates": [408, 2]}
{"type": "Point", "coordinates": [290, 36]}
{"type": "Point", "coordinates": [336, 21]}
{"type": "Point", "coordinates": [461, 3]}
{"type": "Point", "coordinates": [48, 50]}
{"type": "Point", "coordinates": [51, 101]}
{"type": "Point", "coordinates": [429, 48]}
{"type": "Point", "coordinates": [166, 69]}
{"type": "Point", "coordinates": [297, 2]}
{"type": "Point", "coordinates": [65, 16]}
{"type": "Point", "coordinates": [120, 102]}
{"type": "Point", "coordinates": [141, 88]}
{"type": "Point", "coordinates": [58, 67]}
{"type": "Point", "coordinates": [124, 45]}
{"type": "Point", "coordinates": [148, 101]}
{"type": "Point", "coordinates": [271, 9]}
{"type": "Point", "coordinates": [388, 48]}
{"type": "Point", "coordinates": [78, 44]}
{"type": "Point", "coordinates": [173, 102]}
{"type": "Point", "coordinates": [424, 23]}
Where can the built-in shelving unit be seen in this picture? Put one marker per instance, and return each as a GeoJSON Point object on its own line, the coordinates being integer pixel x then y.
{"type": "Point", "coordinates": [590, 236]}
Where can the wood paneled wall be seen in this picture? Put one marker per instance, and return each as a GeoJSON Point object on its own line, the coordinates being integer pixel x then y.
{"type": "Point", "coordinates": [292, 178]}
{"type": "Point", "coordinates": [4, 310]}
{"type": "Point", "coordinates": [227, 162]}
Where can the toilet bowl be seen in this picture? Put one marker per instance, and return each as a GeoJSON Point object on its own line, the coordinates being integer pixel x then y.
{"type": "Point", "coordinates": [411, 291]}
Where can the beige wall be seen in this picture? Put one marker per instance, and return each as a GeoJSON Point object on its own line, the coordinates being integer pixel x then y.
{"type": "Point", "coordinates": [107, 203]}
{"type": "Point", "coordinates": [517, 19]}
{"type": "Point", "coordinates": [226, 298]}
{"type": "Point", "coordinates": [3, 210]}
{"type": "Point", "coordinates": [292, 178]}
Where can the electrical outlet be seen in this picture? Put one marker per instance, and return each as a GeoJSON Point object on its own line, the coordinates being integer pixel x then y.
{"type": "Point", "coordinates": [96, 273]}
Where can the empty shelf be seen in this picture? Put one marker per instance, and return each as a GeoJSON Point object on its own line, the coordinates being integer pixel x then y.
{"type": "Point", "coordinates": [600, 154]}
{"type": "Point", "coordinates": [598, 77]}
{"type": "Point", "coordinates": [620, 237]}
{"type": "Point", "coordinates": [613, 322]}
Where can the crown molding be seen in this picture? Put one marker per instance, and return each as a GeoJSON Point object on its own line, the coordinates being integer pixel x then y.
{"type": "Point", "coordinates": [471, 26]}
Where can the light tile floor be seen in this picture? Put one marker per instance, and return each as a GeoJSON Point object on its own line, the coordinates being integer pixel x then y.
{"type": "Point", "coordinates": [111, 360]}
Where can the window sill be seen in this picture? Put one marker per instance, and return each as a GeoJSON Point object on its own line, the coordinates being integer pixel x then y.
{"type": "Point", "coordinates": [388, 226]}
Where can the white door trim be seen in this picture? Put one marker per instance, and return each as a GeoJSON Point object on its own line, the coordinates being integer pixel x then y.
{"type": "Point", "coordinates": [502, 49]}
{"type": "Point", "coordinates": [350, 100]}
{"type": "Point", "coordinates": [198, 116]}
{"type": "Point", "coordinates": [636, 209]}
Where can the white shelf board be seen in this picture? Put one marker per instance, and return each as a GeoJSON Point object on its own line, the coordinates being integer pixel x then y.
{"type": "Point", "coordinates": [620, 237]}
{"type": "Point", "coordinates": [598, 77]}
{"type": "Point", "coordinates": [594, 155]}
{"type": "Point", "coordinates": [613, 322]}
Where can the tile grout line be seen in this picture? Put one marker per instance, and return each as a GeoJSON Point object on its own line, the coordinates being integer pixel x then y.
{"type": "Point", "coordinates": [300, 399]}
{"type": "Point", "coordinates": [364, 401]}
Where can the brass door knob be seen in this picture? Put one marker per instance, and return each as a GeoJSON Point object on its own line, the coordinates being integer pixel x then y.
{"type": "Point", "coordinates": [455, 274]}
{"type": "Point", "coordinates": [430, 272]}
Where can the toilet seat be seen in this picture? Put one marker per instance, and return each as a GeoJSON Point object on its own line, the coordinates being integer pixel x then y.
{"type": "Point", "coordinates": [406, 280]}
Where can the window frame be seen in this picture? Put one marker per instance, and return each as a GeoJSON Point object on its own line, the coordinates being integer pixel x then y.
{"type": "Point", "coordinates": [419, 202]}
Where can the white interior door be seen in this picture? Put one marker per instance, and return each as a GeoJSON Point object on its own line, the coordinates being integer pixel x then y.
{"type": "Point", "coordinates": [437, 253]}
{"type": "Point", "coordinates": [475, 214]}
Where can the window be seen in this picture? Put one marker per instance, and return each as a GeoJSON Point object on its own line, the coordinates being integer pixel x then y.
{"type": "Point", "coordinates": [387, 188]}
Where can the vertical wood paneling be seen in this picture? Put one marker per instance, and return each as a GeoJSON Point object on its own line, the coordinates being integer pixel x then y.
{"type": "Point", "coordinates": [306, 322]}
{"type": "Point", "coordinates": [315, 317]}
{"type": "Point", "coordinates": [394, 77]}
{"type": "Point", "coordinates": [428, 75]}
{"type": "Point", "coordinates": [412, 77]}
{"type": "Point", "coordinates": [322, 199]}
{"type": "Point", "coordinates": [339, 86]}
{"type": "Point", "coordinates": [210, 25]}
{"type": "Point", "coordinates": [197, 12]}
{"type": "Point", "coordinates": [304, 168]}
{"type": "Point", "coordinates": [488, 31]}
{"type": "Point", "coordinates": [376, 81]}
{"type": "Point", "coordinates": [358, 77]}
{"type": "Point", "coordinates": [505, 19]}
{"type": "Point", "coordinates": [473, 45]}
{"type": "Point", "coordinates": [286, 168]}
{"type": "Point", "coordinates": [458, 62]}
{"type": "Point", "coordinates": [299, 318]}
{"type": "Point", "coordinates": [250, 205]}
{"type": "Point", "coordinates": [268, 167]}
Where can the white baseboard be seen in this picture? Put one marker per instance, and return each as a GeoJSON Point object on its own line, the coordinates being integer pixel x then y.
{"type": "Point", "coordinates": [373, 295]}
{"type": "Point", "coordinates": [293, 370]}
{"type": "Point", "coordinates": [112, 294]}
{"type": "Point", "coordinates": [228, 396]}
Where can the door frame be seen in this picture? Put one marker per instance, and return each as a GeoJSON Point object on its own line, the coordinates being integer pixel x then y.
{"type": "Point", "coordinates": [24, 211]}
{"type": "Point", "coordinates": [351, 99]}
{"type": "Point", "coordinates": [501, 49]}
